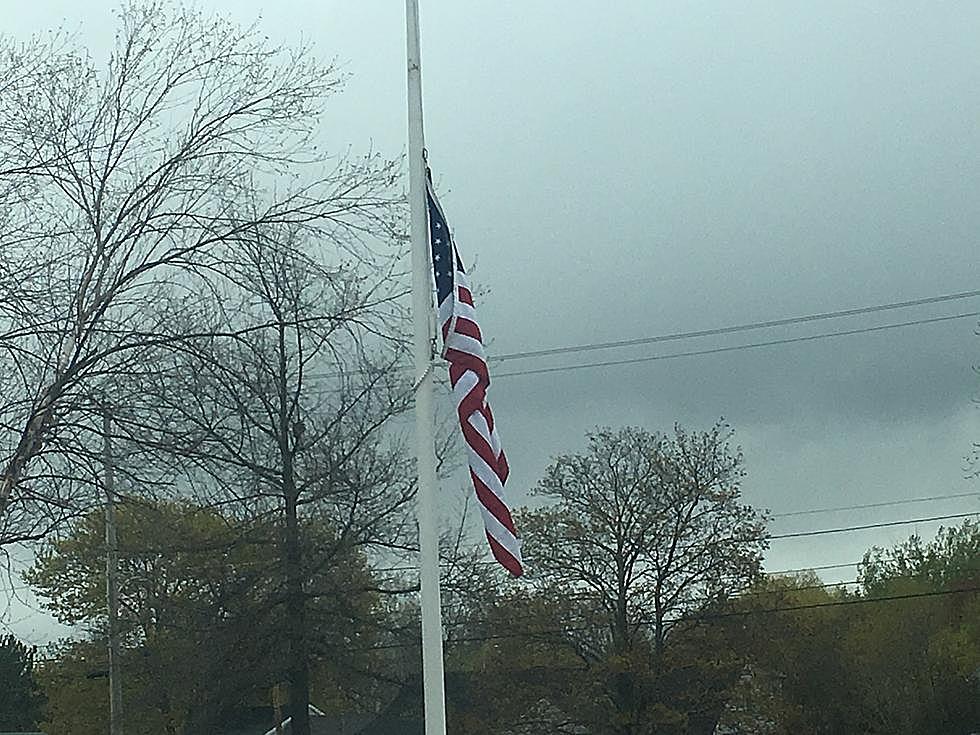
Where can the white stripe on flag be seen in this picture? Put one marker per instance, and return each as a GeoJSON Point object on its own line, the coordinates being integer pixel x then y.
{"type": "Point", "coordinates": [464, 343]}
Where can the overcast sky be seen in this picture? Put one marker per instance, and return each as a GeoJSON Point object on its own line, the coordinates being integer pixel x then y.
{"type": "Point", "coordinates": [629, 169]}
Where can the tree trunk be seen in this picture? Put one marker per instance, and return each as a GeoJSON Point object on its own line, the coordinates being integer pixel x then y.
{"type": "Point", "coordinates": [30, 441]}
{"type": "Point", "coordinates": [298, 665]}
{"type": "Point", "coordinates": [624, 680]}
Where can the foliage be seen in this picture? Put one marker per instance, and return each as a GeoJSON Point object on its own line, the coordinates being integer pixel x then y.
{"type": "Point", "coordinates": [903, 655]}
{"type": "Point", "coordinates": [643, 531]}
{"type": "Point", "coordinates": [952, 558]}
{"type": "Point", "coordinates": [793, 670]}
{"type": "Point", "coordinates": [202, 609]}
{"type": "Point", "coordinates": [22, 702]}
{"type": "Point", "coordinates": [923, 653]}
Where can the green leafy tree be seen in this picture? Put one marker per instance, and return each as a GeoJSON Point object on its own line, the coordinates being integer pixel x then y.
{"type": "Point", "coordinates": [75, 678]}
{"type": "Point", "coordinates": [902, 654]}
{"type": "Point", "coordinates": [202, 606]}
{"type": "Point", "coordinates": [21, 704]}
{"type": "Point", "coordinates": [794, 677]}
{"type": "Point", "coordinates": [950, 560]}
{"type": "Point", "coordinates": [921, 654]}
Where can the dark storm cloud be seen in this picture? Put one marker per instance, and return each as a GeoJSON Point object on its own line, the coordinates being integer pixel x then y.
{"type": "Point", "coordinates": [883, 380]}
{"type": "Point", "coordinates": [659, 169]}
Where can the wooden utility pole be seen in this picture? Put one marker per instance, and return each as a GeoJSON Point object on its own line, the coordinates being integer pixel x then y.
{"type": "Point", "coordinates": [111, 570]}
{"type": "Point", "coordinates": [277, 707]}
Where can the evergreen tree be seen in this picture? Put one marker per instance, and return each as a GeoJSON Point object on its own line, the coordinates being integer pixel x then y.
{"type": "Point", "coordinates": [21, 703]}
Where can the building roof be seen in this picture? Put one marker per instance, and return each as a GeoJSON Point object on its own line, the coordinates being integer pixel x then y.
{"type": "Point", "coordinates": [256, 721]}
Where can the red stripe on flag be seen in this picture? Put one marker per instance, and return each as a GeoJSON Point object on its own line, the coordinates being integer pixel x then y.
{"type": "Point", "coordinates": [483, 450]}
{"type": "Point", "coordinates": [492, 503]}
{"type": "Point", "coordinates": [460, 362]}
{"type": "Point", "coordinates": [468, 329]}
{"type": "Point", "coordinates": [505, 558]}
{"type": "Point", "coordinates": [503, 468]}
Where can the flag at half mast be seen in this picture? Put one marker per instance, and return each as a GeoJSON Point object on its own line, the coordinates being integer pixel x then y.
{"type": "Point", "coordinates": [468, 374]}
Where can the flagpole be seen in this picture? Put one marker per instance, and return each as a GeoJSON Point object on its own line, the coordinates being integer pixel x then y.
{"type": "Point", "coordinates": [433, 682]}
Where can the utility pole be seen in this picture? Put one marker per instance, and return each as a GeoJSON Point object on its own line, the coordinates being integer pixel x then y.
{"type": "Point", "coordinates": [111, 570]}
{"type": "Point", "coordinates": [277, 707]}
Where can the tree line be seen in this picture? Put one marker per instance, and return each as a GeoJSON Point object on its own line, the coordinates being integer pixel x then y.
{"type": "Point", "coordinates": [638, 615]}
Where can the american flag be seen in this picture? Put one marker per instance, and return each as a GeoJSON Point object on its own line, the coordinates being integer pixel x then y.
{"type": "Point", "coordinates": [470, 379]}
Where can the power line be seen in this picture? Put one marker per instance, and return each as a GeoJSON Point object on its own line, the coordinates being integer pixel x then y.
{"type": "Point", "coordinates": [866, 506]}
{"type": "Point", "coordinates": [737, 328]}
{"type": "Point", "coordinates": [747, 595]}
{"type": "Point", "coordinates": [675, 336]}
{"type": "Point", "coordinates": [736, 348]}
{"type": "Point", "coordinates": [785, 608]}
{"type": "Point", "coordinates": [797, 534]}
{"type": "Point", "coordinates": [845, 529]}
{"type": "Point", "coordinates": [839, 603]}
{"type": "Point", "coordinates": [821, 568]}
{"type": "Point", "coordinates": [819, 586]}
{"type": "Point", "coordinates": [696, 617]}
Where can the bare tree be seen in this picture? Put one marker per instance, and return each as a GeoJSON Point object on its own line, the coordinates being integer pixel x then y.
{"type": "Point", "coordinates": [127, 186]}
{"type": "Point", "coordinates": [286, 406]}
{"type": "Point", "coordinates": [643, 530]}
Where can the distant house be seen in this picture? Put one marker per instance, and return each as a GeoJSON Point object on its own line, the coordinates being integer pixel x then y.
{"type": "Point", "coordinates": [257, 720]}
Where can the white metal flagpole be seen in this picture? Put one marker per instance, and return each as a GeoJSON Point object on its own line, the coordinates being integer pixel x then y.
{"type": "Point", "coordinates": [433, 681]}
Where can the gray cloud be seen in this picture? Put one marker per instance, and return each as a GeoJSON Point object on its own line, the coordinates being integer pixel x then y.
{"type": "Point", "coordinates": [643, 168]}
